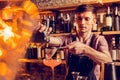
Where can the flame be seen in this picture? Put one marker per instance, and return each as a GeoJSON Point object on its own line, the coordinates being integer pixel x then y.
{"type": "Point", "coordinates": [3, 68]}
{"type": "Point", "coordinates": [1, 53]}
{"type": "Point", "coordinates": [14, 36]}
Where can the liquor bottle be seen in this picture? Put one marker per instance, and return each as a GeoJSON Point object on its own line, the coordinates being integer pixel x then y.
{"type": "Point", "coordinates": [67, 27]}
{"type": "Point", "coordinates": [117, 44]}
{"type": "Point", "coordinates": [116, 20]}
{"type": "Point", "coordinates": [29, 52]}
{"type": "Point", "coordinates": [44, 20]}
{"type": "Point", "coordinates": [42, 52]}
{"type": "Point", "coordinates": [53, 24]}
{"type": "Point", "coordinates": [39, 51]}
{"type": "Point", "coordinates": [108, 20]}
{"type": "Point", "coordinates": [34, 51]}
{"type": "Point", "coordinates": [113, 50]}
{"type": "Point", "coordinates": [60, 54]}
{"type": "Point", "coordinates": [61, 23]}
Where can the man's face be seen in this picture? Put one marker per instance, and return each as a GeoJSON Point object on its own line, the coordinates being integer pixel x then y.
{"type": "Point", "coordinates": [85, 21]}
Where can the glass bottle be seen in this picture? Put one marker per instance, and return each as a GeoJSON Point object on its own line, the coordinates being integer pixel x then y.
{"type": "Point", "coordinates": [53, 24]}
{"type": "Point", "coordinates": [67, 27]}
{"type": "Point", "coordinates": [108, 20]}
{"type": "Point", "coordinates": [116, 20]}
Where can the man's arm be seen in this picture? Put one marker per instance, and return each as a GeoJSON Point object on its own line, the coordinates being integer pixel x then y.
{"type": "Point", "coordinates": [101, 55]}
{"type": "Point", "coordinates": [97, 56]}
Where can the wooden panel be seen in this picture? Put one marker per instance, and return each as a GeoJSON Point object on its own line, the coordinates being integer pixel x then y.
{"type": "Point", "coordinates": [103, 33]}
{"type": "Point", "coordinates": [109, 1]}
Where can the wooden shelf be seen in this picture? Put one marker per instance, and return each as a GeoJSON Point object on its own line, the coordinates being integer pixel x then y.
{"type": "Point", "coordinates": [102, 33]}
{"type": "Point", "coordinates": [35, 61]}
{"type": "Point", "coordinates": [110, 1]}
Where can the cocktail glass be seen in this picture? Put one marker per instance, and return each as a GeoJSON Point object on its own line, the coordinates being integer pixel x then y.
{"type": "Point", "coordinates": [49, 61]}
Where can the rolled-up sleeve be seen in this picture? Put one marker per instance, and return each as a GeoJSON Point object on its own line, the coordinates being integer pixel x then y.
{"type": "Point", "coordinates": [102, 44]}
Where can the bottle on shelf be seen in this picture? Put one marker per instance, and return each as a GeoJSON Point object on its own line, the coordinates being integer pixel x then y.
{"type": "Point", "coordinates": [116, 20]}
{"type": "Point", "coordinates": [67, 24]}
{"type": "Point", "coordinates": [61, 23]}
{"type": "Point", "coordinates": [53, 24]}
{"type": "Point", "coordinates": [60, 54]}
{"type": "Point", "coordinates": [29, 51]}
{"type": "Point", "coordinates": [39, 47]}
{"type": "Point", "coordinates": [32, 51]}
{"type": "Point", "coordinates": [108, 20]}
{"type": "Point", "coordinates": [113, 49]}
{"type": "Point", "coordinates": [117, 44]}
{"type": "Point", "coordinates": [44, 20]}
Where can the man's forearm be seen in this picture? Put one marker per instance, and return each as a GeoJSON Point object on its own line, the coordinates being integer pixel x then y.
{"type": "Point", "coordinates": [99, 57]}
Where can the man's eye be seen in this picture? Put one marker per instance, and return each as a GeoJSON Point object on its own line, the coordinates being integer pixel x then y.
{"type": "Point", "coordinates": [87, 19]}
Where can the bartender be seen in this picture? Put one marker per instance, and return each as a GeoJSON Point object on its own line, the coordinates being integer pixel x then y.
{"type": "Point", "coordinates": [86, 51]}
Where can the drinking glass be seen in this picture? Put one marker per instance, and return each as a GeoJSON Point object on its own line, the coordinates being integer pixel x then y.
{"type": "Point", "coordinates": [49, 61]}
{"type": "Point", "coordinates": [82, 78]}
{"type": "Point", "coordinates": [75, 75]}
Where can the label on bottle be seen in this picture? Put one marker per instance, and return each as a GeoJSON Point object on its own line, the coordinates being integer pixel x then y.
{"type": "Point", "coordinates": [114, 58]}
{"type": "Point", "coordinates": [39, 52]}
{"type": "Point", "coordinates": [109, 21]}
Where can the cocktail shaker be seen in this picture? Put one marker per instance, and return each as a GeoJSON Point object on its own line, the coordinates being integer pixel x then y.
{"type": "Point", "coordinates": [109, 71]}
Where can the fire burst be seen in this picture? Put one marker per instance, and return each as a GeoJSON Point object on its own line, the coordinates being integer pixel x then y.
{"type": "Point", "coordinates": [14, 36]}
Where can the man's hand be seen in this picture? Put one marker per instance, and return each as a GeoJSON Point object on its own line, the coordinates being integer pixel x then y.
{"type": "Point", "coordinates": [41, 34]}
{"type": "Point", "coordinates": [76, 47]}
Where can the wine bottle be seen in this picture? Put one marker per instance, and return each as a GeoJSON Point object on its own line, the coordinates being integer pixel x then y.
{"type": "Point", "coordinates": [116, 20]}
{"type": "Point", "coordinates": [67, 27]}
{"type": "Point", "coordinates": [108, 20]}
{"type": "Point", "coordinates": [53, 24]}
{"type": "Point", "coordinates": [61, 23]}
{"type": "Point", "coordinates": [44, 20]}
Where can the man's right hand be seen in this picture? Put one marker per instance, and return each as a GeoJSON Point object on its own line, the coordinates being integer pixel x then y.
{"type": "Point", "coordinates": [41, 34]}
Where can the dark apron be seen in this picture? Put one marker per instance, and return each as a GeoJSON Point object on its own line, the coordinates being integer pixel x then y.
{"type": "Point", "coordinates": [82, 64]}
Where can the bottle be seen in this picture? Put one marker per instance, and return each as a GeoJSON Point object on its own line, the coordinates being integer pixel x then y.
{"type": "Point", "coordinates": [116, 20]}
{"type": "Point", "coordinates": [42, 52]}
{"type": "Point", "coordinates": [29, 51]}
{"type": "Point", "coordinates": [68, 26]}
{"type": "Point", "coordinates": [61, 23]}
{"type": "Point", "coordinates": [108, 20]}
{"type": "Point", "coordinates": [44, 20]}
{"type": "Point", "coordinates": [53, 24]}
{"type": "Point", "coordinates": [34, 51]}
{"type": "Point", "coordinates": [117, 44]}
{"type": "Point", "coordinates": [39, 51]}
{"type": "Point", "coordinates": [61, 54]}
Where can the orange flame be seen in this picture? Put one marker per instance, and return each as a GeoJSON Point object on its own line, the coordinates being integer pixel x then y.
{"type": "Point", "coordinates": [14, 36]}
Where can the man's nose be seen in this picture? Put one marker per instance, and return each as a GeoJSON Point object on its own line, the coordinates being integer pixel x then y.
{"type": "Point", "coordinates": [83, 21]}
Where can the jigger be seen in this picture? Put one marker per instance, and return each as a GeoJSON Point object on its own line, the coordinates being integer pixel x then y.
{"type": "Point", "coordinates": [110, 72]}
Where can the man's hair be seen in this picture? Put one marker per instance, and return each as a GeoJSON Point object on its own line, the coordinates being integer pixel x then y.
{"type": "Point", "coordinates": [86, 7]}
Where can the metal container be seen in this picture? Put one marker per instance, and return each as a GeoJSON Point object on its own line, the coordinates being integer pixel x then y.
{"type": "Point", "coordinates": [110, 71]}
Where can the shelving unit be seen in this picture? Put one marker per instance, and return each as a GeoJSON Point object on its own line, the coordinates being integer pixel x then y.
{"type": "Point", "coordinates": [102, 33]}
